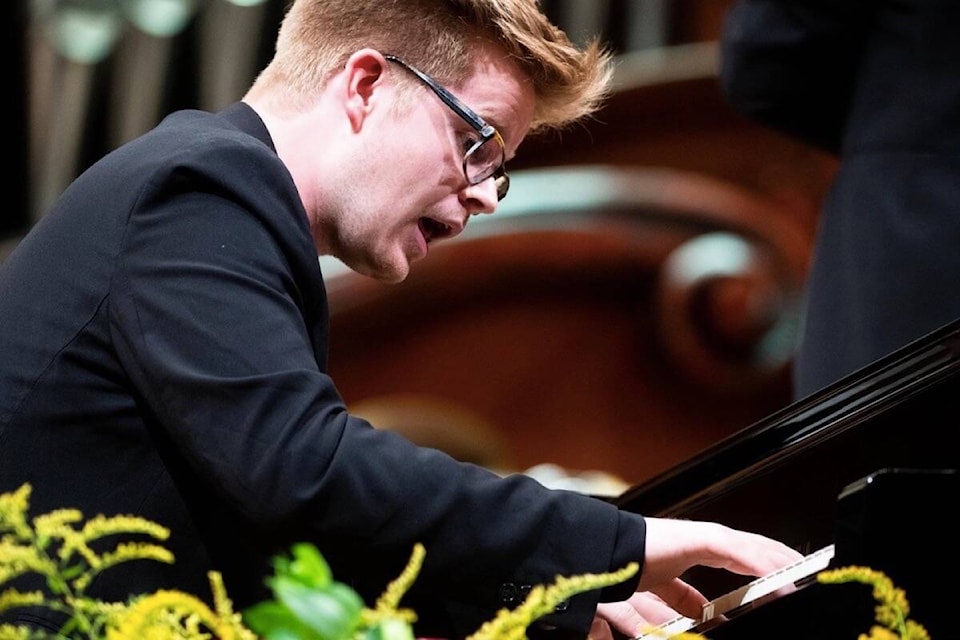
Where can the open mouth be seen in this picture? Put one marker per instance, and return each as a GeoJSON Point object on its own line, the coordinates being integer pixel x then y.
{"type": "Point", "coordinates": [433, 229]}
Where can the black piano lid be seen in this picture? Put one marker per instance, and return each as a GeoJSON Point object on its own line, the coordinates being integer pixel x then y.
{"type": "Point", "coordinates": [900, 411]}
{"type": "Point", "coordinates": [784, 476]}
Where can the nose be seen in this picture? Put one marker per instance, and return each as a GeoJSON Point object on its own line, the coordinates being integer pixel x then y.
{"type": "Point", "coordinates": [481, 197]}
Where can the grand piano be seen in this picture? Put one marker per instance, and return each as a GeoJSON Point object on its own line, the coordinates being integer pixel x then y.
{"type": "Point", "coordinates": [868, 466]}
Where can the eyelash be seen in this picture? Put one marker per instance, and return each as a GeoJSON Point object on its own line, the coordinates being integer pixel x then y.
{"type": "Point", "coordinates": [468, 140]}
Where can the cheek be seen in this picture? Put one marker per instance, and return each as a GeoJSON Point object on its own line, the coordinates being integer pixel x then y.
{"type": "Point", "coordinates": [413, 164]}
{"type": "Point", "coordinates": [418, 180]}
{"type": "Point", "coordinates": [431, 152]}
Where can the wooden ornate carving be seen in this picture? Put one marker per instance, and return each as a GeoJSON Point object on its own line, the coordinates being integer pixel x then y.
{"type": "Point", "coordinates": [632, 301]}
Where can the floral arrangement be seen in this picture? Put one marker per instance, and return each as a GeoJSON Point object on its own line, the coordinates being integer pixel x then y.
{"type": "Point", "coordinates": [308, 603]}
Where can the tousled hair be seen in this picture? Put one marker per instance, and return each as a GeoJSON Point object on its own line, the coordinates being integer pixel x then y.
{"type": "Point", "coordinates": [439, 37]}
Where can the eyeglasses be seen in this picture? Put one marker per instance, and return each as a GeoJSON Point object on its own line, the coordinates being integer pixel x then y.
{"type": "Point", "coordinates": [483, 159]}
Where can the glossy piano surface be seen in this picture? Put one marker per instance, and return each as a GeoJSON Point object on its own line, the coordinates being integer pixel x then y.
{"type": "Point", "coordinates": [784, 476]}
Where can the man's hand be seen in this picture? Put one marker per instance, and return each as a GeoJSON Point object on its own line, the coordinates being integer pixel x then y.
{"type": "Point", "coordinates": [672, 547]}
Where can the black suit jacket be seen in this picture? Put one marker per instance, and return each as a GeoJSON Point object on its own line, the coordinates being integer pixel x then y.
{"type": "Point", "coordinates": [879, 84]}
{"type": "Point", "coordinates": [163, 345]}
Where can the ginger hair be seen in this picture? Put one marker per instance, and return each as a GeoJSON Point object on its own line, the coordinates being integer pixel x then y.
{"type": "Point", "coordinates": [439, 37]}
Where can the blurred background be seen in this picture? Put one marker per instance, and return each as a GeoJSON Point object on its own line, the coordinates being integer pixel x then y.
{"type": "Point", "coordinates": [633, 302]}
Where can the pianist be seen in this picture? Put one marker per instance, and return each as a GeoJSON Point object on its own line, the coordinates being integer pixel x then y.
{"type": "Point", "coordinates": [163, 329]}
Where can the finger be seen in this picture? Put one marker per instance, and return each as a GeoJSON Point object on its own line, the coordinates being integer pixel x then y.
{"type": "Point", "coordinates": [753, 554]}
{"type": "Point", "coordinates": [637, 615]}
{"type": "Point", "coordinates": [622, 617]}
{"type": "Point", "coordinates": [674, 546]}
{"type": "Point", "coordinates": [680, 597]}
{"type": "Point", "coordinates": [600, 630]}
{"type": "Point", "coordinates": [652, 608]}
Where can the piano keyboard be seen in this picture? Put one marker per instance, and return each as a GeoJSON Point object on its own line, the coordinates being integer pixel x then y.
{"type": "Point", "coordinates": [791, 574]}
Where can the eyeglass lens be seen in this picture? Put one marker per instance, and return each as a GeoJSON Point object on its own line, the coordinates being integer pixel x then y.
{"type": "Point", "coordinates": [485, 160]}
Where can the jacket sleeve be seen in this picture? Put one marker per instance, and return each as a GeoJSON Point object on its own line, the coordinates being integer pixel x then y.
{"type": "Point", "coordinates": [216, 306]}
{"type": "Point", "coordinates": [792, 64]}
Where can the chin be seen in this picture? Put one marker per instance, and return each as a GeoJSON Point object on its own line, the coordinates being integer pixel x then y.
{"type": "Point", "coordinates": [394, 278]}
{"type": "Point", "coordinates": [387, 271]}
{"type": "Point", "coordinates": [393, 273]}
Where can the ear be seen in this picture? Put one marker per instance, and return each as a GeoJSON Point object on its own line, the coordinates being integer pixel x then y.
{"type": "Point", "coordinates": [364, 84]}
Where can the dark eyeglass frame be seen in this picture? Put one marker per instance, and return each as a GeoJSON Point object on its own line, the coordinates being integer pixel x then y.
{"type": "Point", "coordinates": [487, 132]}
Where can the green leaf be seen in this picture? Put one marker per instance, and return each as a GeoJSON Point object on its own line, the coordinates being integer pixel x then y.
{"type": "Point", "coordinates": [273, 621]}
{"type": "Point", "coordinates": [68, 627]}
{"type": "Point", "coordinates": [390, 629]}
{"type": "Point", "coordinates": [309, 567]}
{"type": "Point", "coordinates": [334, 612]}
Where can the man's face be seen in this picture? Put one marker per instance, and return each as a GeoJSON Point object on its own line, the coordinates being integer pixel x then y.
{"type": "Point", "coordinates": [412, 190]}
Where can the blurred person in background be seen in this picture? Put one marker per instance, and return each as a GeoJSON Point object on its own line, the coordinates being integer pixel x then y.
{"type": "Point", "coordinates": [877, 84]}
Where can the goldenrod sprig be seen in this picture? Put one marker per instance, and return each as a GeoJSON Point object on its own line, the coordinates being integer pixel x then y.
{"type": "Point", "coordinates": [388, 604]}
{"type": "Point", "coordinates": [892, 609]}
{"type": "Point", "coordinates": [123, 553]}
{"type": "Point", "coordinates": [13, 512]}
{"type": "Point", "coordinates": [165, 615]}
{"type": "Point", "coordinates": [56, 547]}
{"type": "Point", "coordinates": [512, 625]}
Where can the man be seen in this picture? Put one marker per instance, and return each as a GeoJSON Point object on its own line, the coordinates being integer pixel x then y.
{"type": "Point", "coordinates": [164, 328]}
{"type": "Point", "coordinates": [877, 84]}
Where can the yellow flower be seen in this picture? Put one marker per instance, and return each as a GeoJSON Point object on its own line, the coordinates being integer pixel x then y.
{"type": "Point", "coordinates": [388, 604]}
{"type": "Point", "coordinates": [892, 609]}
{"type": "Point", "coordinates": [173, 614]}
{"type": "Point", "coordinates": [512, 625]}
{"type": "Point", "coordinates": [13, 511]}
{"type": "Point", "coordinates": [13, 598]}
